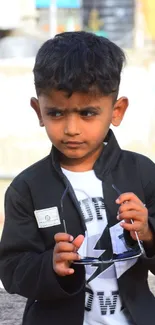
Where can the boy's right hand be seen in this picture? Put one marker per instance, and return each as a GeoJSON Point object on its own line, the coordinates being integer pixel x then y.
{"type": "Point", "coordinates": [65, 252]}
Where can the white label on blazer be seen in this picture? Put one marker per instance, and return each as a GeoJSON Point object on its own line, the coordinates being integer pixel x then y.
{"type": "Point", "coordinates": [47, 217]}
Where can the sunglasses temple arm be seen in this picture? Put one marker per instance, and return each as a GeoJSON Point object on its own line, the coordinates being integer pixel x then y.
{"type": "Point", "coordinates": [138, 240]}
{"type": "Point", "coordinates": [62, 208]}
{"type": "Point", "coordinates": [64, 224]}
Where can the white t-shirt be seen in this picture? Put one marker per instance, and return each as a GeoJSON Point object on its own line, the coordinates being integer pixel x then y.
{"type": "Point", "coordinates": [103, 304]}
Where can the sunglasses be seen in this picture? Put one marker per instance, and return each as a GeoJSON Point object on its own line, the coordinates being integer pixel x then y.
{"type": "Point", "coordinates": [129, 254]}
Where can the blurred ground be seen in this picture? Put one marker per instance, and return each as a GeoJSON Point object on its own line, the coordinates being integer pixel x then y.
{"type": "Point", "coordinates": [11, 309]}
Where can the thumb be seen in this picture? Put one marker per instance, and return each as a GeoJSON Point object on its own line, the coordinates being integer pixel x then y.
{"type": "Point", "coordinates": [78, 241]}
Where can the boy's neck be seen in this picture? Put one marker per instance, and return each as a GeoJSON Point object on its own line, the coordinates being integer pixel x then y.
{"type": "Point", "coordinates": [80, 164]}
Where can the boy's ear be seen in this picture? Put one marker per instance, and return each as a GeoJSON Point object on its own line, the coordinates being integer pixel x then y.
{"type": "Point", "coordinates": [119, 110]}
{"type": "Point", "coordinates": [35, 105]}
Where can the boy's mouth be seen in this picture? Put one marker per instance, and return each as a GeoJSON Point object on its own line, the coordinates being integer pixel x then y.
{"type": "Point", "coordinates": [72, 144]}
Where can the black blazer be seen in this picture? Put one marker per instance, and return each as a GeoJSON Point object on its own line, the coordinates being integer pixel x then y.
{"type": "Point", "coordinates": [26, 250]}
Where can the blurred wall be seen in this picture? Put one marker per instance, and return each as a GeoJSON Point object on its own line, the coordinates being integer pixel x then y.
{"type": "Point", "coordinates": [22, 141]}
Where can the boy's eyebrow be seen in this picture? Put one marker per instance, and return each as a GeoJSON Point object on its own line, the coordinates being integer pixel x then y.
{"type": "Point", "coordinates": [75, 109]}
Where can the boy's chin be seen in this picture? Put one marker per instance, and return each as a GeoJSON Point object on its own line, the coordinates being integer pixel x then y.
{"type": "Point", "coordinates": [75, 155]}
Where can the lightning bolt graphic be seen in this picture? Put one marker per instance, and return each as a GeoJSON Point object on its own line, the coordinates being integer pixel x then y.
{"type": "Point", "coordinates": [97, 241]}
{"type": "Point", "coordinates": [103, 250]}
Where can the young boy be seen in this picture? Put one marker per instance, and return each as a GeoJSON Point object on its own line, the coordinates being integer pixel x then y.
{"type": "Point", "coordinates": [75, 193]}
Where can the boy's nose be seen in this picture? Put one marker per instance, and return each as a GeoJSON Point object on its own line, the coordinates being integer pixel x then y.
{"type": "Point", "coordinates": [72, 126]}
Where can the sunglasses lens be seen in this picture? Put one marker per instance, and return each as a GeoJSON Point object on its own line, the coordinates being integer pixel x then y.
{"type": "Point", "coordinates": [127, 255]}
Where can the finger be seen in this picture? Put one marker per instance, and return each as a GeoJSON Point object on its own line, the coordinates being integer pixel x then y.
{"type": "Point", "coordinates": [59, 237]}
{"type": "Point", "coordinates": [132, 205]}
{"type": "Point", "coordinates": [128, 197]}
{"type": "Point", "coordinates": [66, 257]}
{"type": "Point", "coordinates": [132, 214]}
{"type": "Point", "coordinates": [64, 247]}
{"type": "Point", "coordinates": [63, 270]}
{"type": "Point", "coordinates": [136, 226]}
{"type": "Point", "coordinates": [78, 241]}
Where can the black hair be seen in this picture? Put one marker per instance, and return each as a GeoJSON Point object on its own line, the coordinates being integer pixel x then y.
{"type": "Point", "coordinates": [78, 62]}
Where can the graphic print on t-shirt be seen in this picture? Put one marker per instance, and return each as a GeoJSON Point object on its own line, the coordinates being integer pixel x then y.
{"type": "Point", "coordinates": [97, 239]}
{"type": "Point", "coordinates": [102, 303]}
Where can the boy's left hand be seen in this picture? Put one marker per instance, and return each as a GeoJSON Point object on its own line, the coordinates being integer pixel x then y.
{"type": "Point", "coordinates": [132, 208]}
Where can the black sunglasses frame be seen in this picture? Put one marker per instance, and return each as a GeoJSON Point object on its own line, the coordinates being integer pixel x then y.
{"type": "Point", "coordinates": [88, 260]}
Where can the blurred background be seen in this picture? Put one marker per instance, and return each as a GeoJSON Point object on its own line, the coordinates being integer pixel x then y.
{"type": "Point", "coordinates": [25, 25]}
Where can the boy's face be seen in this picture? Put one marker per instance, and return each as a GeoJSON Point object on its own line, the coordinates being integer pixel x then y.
{"type": "Point", "coordinates": [77, 125]}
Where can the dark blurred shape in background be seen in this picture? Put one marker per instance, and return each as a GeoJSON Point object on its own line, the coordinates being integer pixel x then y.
{"type": "Point", "coordinates": [114, 18]}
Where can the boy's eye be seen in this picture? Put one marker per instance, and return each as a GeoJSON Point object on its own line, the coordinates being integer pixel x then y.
{"type": "Point", "coordinates": [55, 113]}
{"type": "Point", "coordinates": [87, 113]}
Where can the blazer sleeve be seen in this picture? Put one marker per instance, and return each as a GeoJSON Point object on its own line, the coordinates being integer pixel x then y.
{"type": "Point", "coordinates": [25, 264]}
{"type": "Point", "coordinates": [147, 175]}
